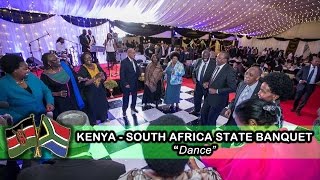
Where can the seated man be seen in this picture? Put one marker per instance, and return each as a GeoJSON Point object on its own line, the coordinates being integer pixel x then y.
{"type": "Point", "coordinates": [82, 168]}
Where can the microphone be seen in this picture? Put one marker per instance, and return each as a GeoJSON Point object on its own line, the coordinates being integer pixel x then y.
{"type": "Point", "coordinates": [48, 33]}
{"type": "Point", "coordinates": [4, 104]}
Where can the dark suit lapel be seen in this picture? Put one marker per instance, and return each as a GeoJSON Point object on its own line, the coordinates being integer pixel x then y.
{"type": "Point", "coordinates": [198, 67]}
{"type": "Point", "coordinates": [222, 71]}
{"type": "Point", "coordinates": [255, 92]}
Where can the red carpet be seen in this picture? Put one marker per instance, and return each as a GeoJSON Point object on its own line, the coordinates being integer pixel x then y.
{"type": "Point", "coordinates": [308, 113]}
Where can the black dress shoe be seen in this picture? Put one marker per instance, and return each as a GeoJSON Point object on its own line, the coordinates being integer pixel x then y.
{"type": "Point", "coordinates": [134, 110]}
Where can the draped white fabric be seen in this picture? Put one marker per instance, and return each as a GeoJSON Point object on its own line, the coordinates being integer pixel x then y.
{"type": "Point", "coordinates": [14, 38]}
{"type": "Point", "coordinates": [314, 47]}
{"type": "Point", "coordinates": [261, 44]}
{"type": "Point", "coordinates": [250, 17]}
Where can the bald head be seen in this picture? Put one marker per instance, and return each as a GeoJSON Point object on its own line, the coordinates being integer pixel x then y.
{"type": "Point", "coordinates": [252, 75]}
{"type": "Point", "coordinates": [131, 53]}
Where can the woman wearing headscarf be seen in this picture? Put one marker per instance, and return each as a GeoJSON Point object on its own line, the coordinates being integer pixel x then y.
{"type": "Point", "coordinates": [61, 80]}
{"type": "Point", "coordinates": [152, 88]}
{"type": "Point", "coordinates": [93, 90]}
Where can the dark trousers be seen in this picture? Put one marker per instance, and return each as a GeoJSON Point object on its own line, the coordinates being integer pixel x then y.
{"type": "Point", "coordinates": [210, 114]}
{"type": "Point", "coordinates": [199, 92]}
{"type": "Point", "coordinates": [303, 95]}
{"type": "Point", "coordinates": [125, 99]}
{"type": "Point", "coordinates": [94, 57]}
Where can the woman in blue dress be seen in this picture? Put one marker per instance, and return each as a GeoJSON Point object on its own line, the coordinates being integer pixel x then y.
{"type": "Point", "coordinates": [173, 76]}
{"type": "Point", "coordinates": [24, 93]}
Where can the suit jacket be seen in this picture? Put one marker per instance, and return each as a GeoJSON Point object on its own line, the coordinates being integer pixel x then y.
{"type": "Point", "coordinates": [94, 40]}
{"type": "Point", "coordinates": [208, 72]}
{"type": "Point", "coordinates": [303, 75]}
{"type": "Point", "coordinates": [240, 88]}
{"type": "Point", "coordinates": [84, 41]}
{"type": "Point", "coordinates": [225, 83]}
{"type": "Point", "coordinates": [74, 169]}
{"type": "Point", "coordinates": [127, 73]}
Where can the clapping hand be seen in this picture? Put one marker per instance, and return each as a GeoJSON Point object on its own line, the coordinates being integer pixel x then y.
{"type": "Point", "coordinates": [206, 85]}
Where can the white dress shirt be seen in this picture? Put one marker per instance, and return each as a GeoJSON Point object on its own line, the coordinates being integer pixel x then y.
{"type": "Point", "coordinates": [60, 47]}
{"type": "Point", "coordinates": [200, 69]}
{"type": "Point", "coordinates": [313, 78]}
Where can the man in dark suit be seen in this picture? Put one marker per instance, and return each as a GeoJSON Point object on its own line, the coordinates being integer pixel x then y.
{"type": "Point", "coordinates": [219, 85]}
{"type": "Point", "coordinates": [307, 77]}
{"type": "Point", "coordinates": [203, 70]}
{"type": "Point", "coordinates": [84, 41]}
{"type": "Point", "coordinates": [92, 42]}
{"type": "Point", "coordinates": [247, 89]}
{"type": "Point", "coordinates": [129, 74]}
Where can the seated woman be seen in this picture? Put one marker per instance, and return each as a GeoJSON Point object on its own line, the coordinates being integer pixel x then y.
{"type": "Point", "coordinates": [276, 86]}
{"type": "Point", "coordinates": [265, 160]}
{"type": "Point", "coordinates": [152, 88]}
{"type": "Point", "coordinates": [173, 76]}
{"type": "Point", "coordinates": [62, 82]}
{"type": "Point", "coordinates": [163, 162]}
{"type": "Point", "coordinates": [94, 92]}
{"type": "Point", "coordinates": [22, 91]}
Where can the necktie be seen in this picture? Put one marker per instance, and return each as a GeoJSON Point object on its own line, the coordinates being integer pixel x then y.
{"type": "Point", "coordinates": [134, 66]}
{"type": "Point", "coordinates": [310, 75]}
{"type": "Point", "coordinates": [214, 75]}
{"type": "Point", "coordinates": [202, 71]}
{"type": "Point", "coordinates": [244, 95]}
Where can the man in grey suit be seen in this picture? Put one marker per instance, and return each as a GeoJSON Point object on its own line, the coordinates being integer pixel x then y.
{"type": "Point", "coordinates": [219, 85]}
{"type": "Point", "coordinates": [203, 70]}
{"type": "Point", "coordinates": [307, 77]}
{"type": "Point", "coordinates": [247, 89]}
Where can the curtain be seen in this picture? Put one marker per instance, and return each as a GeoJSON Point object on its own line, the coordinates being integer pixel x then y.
{"type": "Point", "coordinates": [84, 22]}
{"type": "Point", "coordinates": [15, 38]}
{"type": "Point", "coordinates": [265, 43]}
{"type": "Point", "coordinates": [140, 29]}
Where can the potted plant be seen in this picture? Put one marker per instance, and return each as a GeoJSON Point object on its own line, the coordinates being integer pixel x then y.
{"type": "Point", "coordinates": [110, 85]}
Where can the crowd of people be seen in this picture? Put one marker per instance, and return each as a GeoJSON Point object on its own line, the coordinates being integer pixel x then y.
{"type": "Point", "coordinates": [242, 71]}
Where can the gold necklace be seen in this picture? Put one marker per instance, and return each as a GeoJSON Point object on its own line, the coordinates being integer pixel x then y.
{"type": "Point", "coordinates": [55, 71]}
{"type": "Point", "coordinates": [20, 82]}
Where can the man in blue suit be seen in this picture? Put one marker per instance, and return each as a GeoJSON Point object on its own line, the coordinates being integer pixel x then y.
{"type": "Point", "coordinates": [129, 74]}
{"type": "Point", "coordinates": [307, 77]}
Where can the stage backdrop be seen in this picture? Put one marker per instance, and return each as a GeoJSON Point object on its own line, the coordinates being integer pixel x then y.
{"type": "Point", "coordinates": [15, 37]}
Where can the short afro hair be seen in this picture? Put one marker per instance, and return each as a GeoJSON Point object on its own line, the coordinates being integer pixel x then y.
{"type": "Point", "coordinates": [280, 84]}
{"type": "Point", "coordinates": [10, 62]}
{"type": "Point", "coordinates": [159, 156]}
{"type": "Point", "coordinates": [174, 53]}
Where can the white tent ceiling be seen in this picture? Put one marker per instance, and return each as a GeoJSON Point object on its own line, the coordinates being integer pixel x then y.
{"type": "Point", "coordinates": [249, 17]}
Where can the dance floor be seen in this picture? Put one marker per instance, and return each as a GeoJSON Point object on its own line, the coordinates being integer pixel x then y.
{"type": "Point", "coordinates": [130, 154]}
